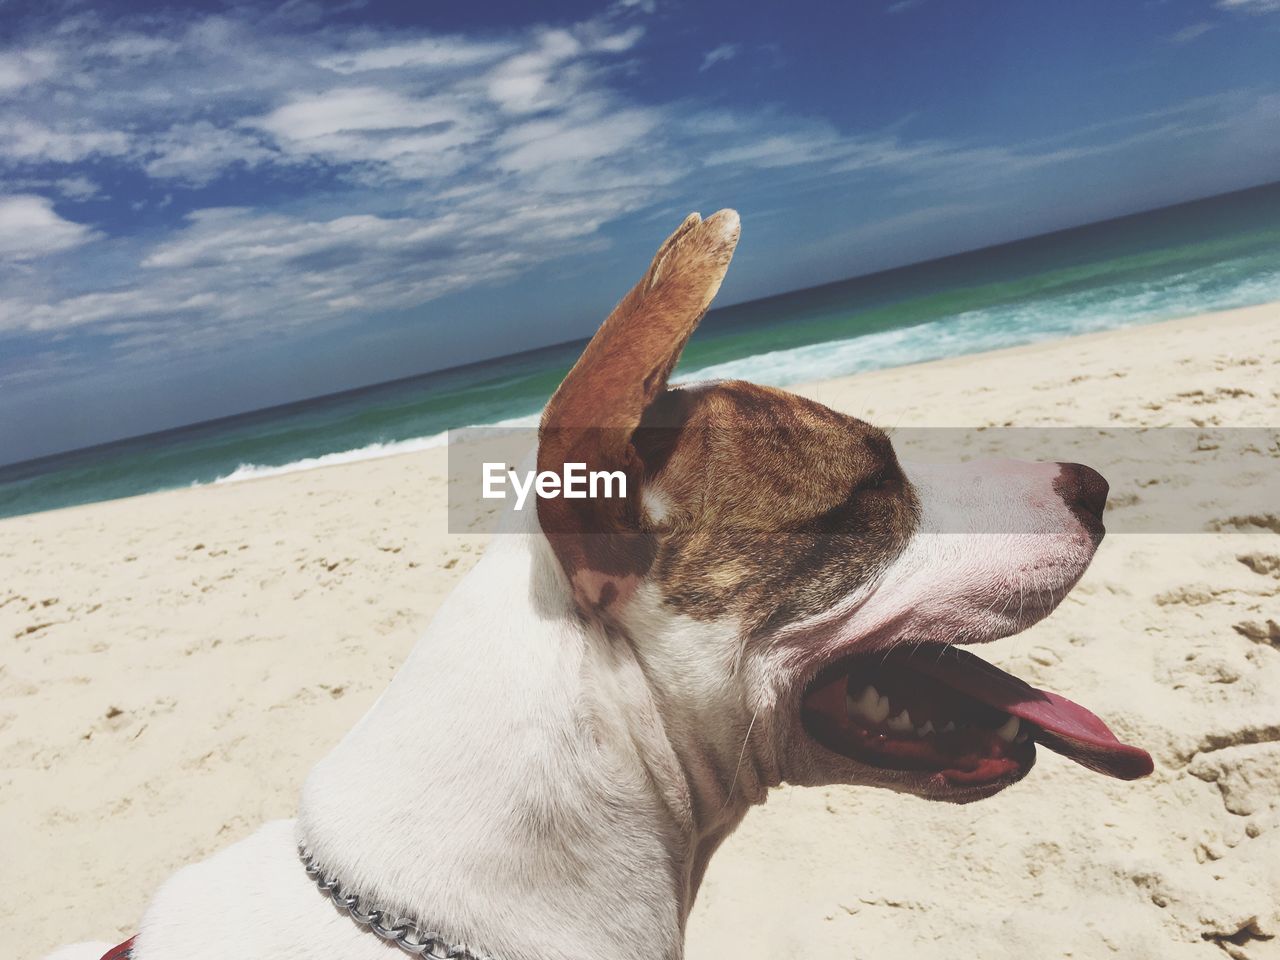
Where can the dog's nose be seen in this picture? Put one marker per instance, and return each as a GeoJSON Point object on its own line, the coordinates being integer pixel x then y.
{"type": "Point", "coordinates": [1082, 489]}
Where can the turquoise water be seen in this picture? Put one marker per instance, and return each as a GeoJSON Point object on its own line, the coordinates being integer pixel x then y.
{"type": "Point", "coordinates": [1208, 255]}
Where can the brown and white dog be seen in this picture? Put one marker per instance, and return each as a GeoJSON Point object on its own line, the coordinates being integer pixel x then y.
{"type": "Point", "coordinates": [603, 697]}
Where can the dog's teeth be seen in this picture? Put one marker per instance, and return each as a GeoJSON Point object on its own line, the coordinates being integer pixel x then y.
{"type": "Point", "coordinates": [867, 701]}
{"type": "Point", "coordinates": [881, 711]}
{"type": "Point", "coordinates": [925, 730]}
{"type": "Point", "coordinates": [864, 704]}
{"type": "Point", "coordinates": [901, 723]}
{"type": "Point", "coordinates": [949, 727]}
{"type": "Point", "coordinates": [1009, 730]}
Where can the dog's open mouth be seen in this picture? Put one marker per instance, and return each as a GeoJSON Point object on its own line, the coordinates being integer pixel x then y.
{"type": "Point", "coordinates": [944, 712]}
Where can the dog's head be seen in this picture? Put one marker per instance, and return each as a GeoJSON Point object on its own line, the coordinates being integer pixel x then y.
{"type": "Point", "coordinates": [795, 592]}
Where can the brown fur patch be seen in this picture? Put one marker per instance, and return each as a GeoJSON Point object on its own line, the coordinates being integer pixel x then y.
{"type": "Point", "coordinates": [775, 506]}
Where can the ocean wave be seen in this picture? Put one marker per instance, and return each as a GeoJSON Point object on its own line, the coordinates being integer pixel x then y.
{"type": "Point", "coordinates": [995, 328]}
{"type": "Point", "coordinates": [372, 451]}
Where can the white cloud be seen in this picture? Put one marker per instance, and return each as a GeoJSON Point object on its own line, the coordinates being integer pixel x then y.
{"type": "Point", "coordinates": [29, 228]}
{"type": "Point", "coordinates": [136, 47]}
{"type": "Point", "coordinates": [523, 83]}
{"type": "Point", "coordinates": [606, 41]}
{"type": "Point", "coordinates": [720, 54]}
{"type": "Point", "coordinates": [431, 53]}
{"type": "Point", "coordinates": [29, 140]}
{"type": "Point", "coordinates": [551, 73]}
{"type": "Point", "coordinates": [196, 153]}
{"type": "Point", "coordinates": [353, 110]}
{"type": "Point", "coordinates": [233, 274]}
{"type": "Point", "coordinates": [804, 144]}
{"type": "Point", "coordinates": [414, 138]}
{"type": "Point", "coordinates": [192, 98]}
{"type": "Point", "coordinates": [1189, 33]}
{"type": "Point", "coordinates": [20, 68]}
{"type": "Point", "coordinates": [545, 143]}
{"type": "Point", "coordinates": [1250, 6]}
{"type": "Point", "coordinates": [76, 188]}
{"type": "Point", "coordinates": [236, 235]}
{"type": "Point", "coordinates": [501, 154]}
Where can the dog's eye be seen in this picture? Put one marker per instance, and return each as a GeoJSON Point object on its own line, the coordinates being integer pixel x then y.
{"type": "Point", "coordinates": [879, 480]}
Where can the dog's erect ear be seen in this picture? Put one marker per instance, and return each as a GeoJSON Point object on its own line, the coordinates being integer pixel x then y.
{"type": "Point", "coordinates": [600, 404]}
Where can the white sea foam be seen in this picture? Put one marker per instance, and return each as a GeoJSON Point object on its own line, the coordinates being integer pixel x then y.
{"type": "Point", "coordinates": [373, 451]}
{"type": "Point", "coordinates": [994, 328]}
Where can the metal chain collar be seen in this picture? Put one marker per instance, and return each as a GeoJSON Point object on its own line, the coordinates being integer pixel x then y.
{"type": "Point", "coordinates": [404, 933]}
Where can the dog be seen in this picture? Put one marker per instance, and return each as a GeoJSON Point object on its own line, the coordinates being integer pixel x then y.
{"type": "Point", "coordinates": [599, 702]}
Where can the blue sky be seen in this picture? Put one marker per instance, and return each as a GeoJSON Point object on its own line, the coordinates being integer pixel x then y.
{"type": "Point", "coordinates": [215, 207]}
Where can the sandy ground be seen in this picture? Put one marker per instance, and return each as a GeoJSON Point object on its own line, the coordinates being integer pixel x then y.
{"type": "Point", "coordinates": [173, 664]}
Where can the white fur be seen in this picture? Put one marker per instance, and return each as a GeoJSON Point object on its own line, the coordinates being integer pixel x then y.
{"type": "Point", "coordinates": [996, 550]}
{"type": "Point", "coordinates": [514, 787]}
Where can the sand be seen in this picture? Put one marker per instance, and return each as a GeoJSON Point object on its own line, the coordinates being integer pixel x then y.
{"type": "Point", "coordinates": [172, 665]}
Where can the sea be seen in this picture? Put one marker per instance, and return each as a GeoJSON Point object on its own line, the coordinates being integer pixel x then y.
{"type": "Point", "coordinates": [1210, 254]}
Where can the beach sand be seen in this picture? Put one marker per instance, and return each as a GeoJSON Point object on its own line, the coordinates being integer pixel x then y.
{"type": "Point", "coordinates": [173, 664]}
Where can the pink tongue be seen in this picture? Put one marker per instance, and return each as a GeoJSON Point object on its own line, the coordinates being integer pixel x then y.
{"type": "Point", "coordinates": [1064, 727]}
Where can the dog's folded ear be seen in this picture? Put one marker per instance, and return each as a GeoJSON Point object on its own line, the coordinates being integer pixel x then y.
{"type": "Point", "coordinates": [595, 412]}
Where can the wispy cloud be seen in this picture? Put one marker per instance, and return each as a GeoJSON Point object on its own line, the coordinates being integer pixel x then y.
{"type": "Point", "coordinates": [77, 188]}
{"type": "Point", "coordinates": [466, 161]}
{"type": "Point", "coordinates": [199, 152]}
{"type": "Point", "coordinates": [720, 54]}
{"type": "Point", "coordinates": [428, 53]}
{"type": "Point", "coordinates": [21, 68]}
{"type": "Point", "coordinates": [25, 140]}
{"type": "Point", "coordinates": [920, 163]}
{"type": "Point", "coordinates": [1189, 33]}
{"type": "Point", "coordinates": [30, 228]}
{"type": "Point", "coordinates": [1250, 6]}
{"type": "Point", "coordinates": [902, 6]}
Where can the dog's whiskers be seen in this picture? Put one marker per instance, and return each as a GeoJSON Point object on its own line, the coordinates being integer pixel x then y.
{"type": "Point", "coordinates": [741, 756]}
